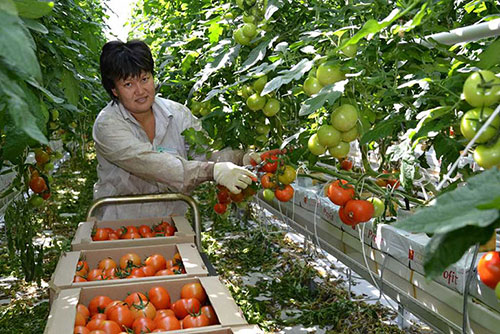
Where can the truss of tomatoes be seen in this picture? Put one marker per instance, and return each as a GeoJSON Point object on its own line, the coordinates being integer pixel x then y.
{"type": "Point", "coordinates": [145, 313]}
{"type": "Point", "coordinates": [352, 211]}
{"type": "Point", "coordinates": [130, 265]}
{"type": "Point", "coordinates": [162, 229]}
{"type": "Point", "coordinates": [225, 197]}
{"type": "Point", "coordinates": [277, 176]}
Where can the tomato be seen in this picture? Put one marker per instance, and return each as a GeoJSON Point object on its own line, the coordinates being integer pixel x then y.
{"type": "Point", "coordinates": [268, 195]}
{"type": "Point", "coordinates": [143, 309]}
{"type": "Point", "coordinates": [346, 164]}
{"type": "Point", "coordinates": [169, 230]}
{"type": "Point", "coordinates": [78, 279]}
{"type": "Point", "coordinates": [314, 146]}
{"type": "Point", "coordinates": [267, 181]}
{"type": "Point", "coordinates": [359, 210]}
{"type": "Point", "coordinates": [312, 86]}
{"type": "Point", "coordinates": [157, 261]}
{"type": "Point", "coordinates": [94, 324]}
{"type": "Point", "coordinates": [271, 165]}
{"type": "Point", "coordinates": [130, 259]}
{"type": "Point", "coordinates": [378, 206]}
{"type": "Point", "coordinates": [80, 308]}
{"type": "Point", "coordinates": [163, 313]}
{"type": "Point", "coordinates": [143, 325]}
{"type": "Point", "coordinates": [482, 89]}
{"type": "Point", "coordinates": [474, 119]}
{"type": "Point", "coordinates": [220, 208]}
{"type": "Point", "coordinates": [144, 229]}
{"type": "Point", "coordinates": [340, 151]}
{"type": "Point", "coordinates": [82, 268]}
{"type": "Point", "coordinates": [168, 323]}
{"type": "Point", "coordinates": [256, 102]}
{"type": "Point", "coordinates": [41, 156]}
{"type": "Point", "coordinates": [209, 312]}
{"type": "Point", "coordinates": [194, 290]}
{"type": "Point", "coordinates": [241, 38]}
{"type": "Point", "coordinates": [350, 135]}
{"type": "Point", "coordinates": [100, 234]}
{"type": "Point", "coordinates": [98, 304]}
{"type": "Point", "coordinates": [37, 184]}
{"type": "Point", "coordinates": [96, 275]}
{"type": "Point", "coordinates": [340, 192]}
{"type": "Point", "coordinates": [258, 85]}
{"type": "Point", "coordinates": [192, 321]}
{"type": "Point", "coordinates": [80, 319]}
{"type": "Point", "coordinates": [488, 269]}
{"type": "Point", "coordinates": [184, 306]}
{"type": "Point", "coordinates": [349, 50]}
{"type": "Point", "coordinates": [271, 108]}
{"type": "Point", "coordinates": [45, 195]}
{"type": "Point", "coordinates": [328, 136]}
{"type": "Point", "coordinates": [159, 297]}
{"type": "Point", "coordinates": [81, 330]}
{"type": "Point", "coordinates": [223, 197]}
{"type": "Point", "coordinates": [106, 263]}
{"type": "Point", "coordinates": [328, 73]}
{"type": "Point", "coordinates": [285, 194]}
{"type": "Point", "coordinates": [488, 156]}
{"type": "Point", "coordinates": [135, 297]}
{"type": "Point", "coordinates": [262, 129]}
{"type": "Point", "coordinates": [165, 272]}
{"type": "Point", "coordinates": [344, 118]}
{"type": "Point", "coordinates": [250, 30]}
{"type": "Point", "coordinates": [148, 271]}
{"type": "Point", "coordinates": [237, 198]}
{"type": "Point", "coordinates": [287, 174]}
{"type": "Point", "coordinates": [36, 201]}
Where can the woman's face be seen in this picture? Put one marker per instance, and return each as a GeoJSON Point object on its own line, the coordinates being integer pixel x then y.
{"type": "Point", "coordinates": [137, 94]}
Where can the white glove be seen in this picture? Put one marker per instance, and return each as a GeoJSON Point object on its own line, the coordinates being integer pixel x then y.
{"type": "Point", "coordinates": [249, 156]}
{"type": "Point", "coordinates": [233, 177]}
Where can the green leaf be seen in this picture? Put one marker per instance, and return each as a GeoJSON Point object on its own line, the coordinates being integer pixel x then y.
{"type": "Point", "coordinates": [491, 56]}
{"type": "Point", "coordinates": [457, 209]}
{"type": "Point", "coordinates": [32, 9]}
{"type": "Point", "coordinates": [17, 46]}
{"type": "Point", "coordinates": [382, 129]}
{"type": "Point", "coordinates": [35, 26]}
{"type": "Point", "coordinates": [272, 7]}
{"type": "Point", "coordinates": [328, 93]}
{"type": "Point", "coordinates": [495, 204]}
{"type": "Point", "coordinates": [70, 87]}
{"type": "Point", "coordinates": [14, 146]}
{"type": "Point", "coordinates": [295, 73]}
{"type": "Point", "coordinates": [447, 149]}
{"type": "Point", "coordinates": [446, 249]}
{"type": "Point", "coordinates": [51, 96]}
{"type": "Point", "coordinates": [215, 30]}
{"type": "Point", "coordinates": [257, 54]}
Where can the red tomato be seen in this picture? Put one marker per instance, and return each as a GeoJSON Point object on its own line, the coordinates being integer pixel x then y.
{"type": "Point", "coordinates": [143, 325]}
{"type": "Point", "coordinates": [137, 272]}
{"type": "Point", "coordinates": [169, 230]}
{"type": "Point", "coordinates": [209, 312]}
{"type": "Point", "coordinates": [148, 271]}
{"type": "Point", "coordinates": [237, 198]}
{"type": "Point", "coordinates": [192, 320]}
{"type": "Point", "coordinates": [194, 290]}
{"type": "Point", "coordinates": [82, 268]}
{"type": "Point", "coordinates": [96, 275]}
{"type": "Point", "coordinates": [346, 164]}
{"type": "Point", "coordinates": [81, 330]}
{"type": "Point", "coordinates": [223, 197]}
{"type": "Point", "coordinates": [163, 313]}
{"type": "Point", "coordinates": [78, 279]}
{"type": "Point", "coordinates": [267, 181]}
{"type": "Point", "coordinates": [80, 319]}
{"type": "Point", "coordinates": [100, 234]}
{"type": "Point", "coordinates": [159, 297]}
{"type": "Point", "coordinates": [136, 297]}
{"type": "Point", "coordinates": [94, 324]}
{"type": "Point", "coordinates": [220, 208]}
{"type": "Point", "coordinates": [182, 307]}
{"type": "Point", "coordinates": [488, 269]}
{"type": "Point", "coordinates": [339, 192]}
{"type": "Point", "coordinates": [271, 165]}
{"type": "Point", "coordinates": [122, 315]}
{"type": "Point", "coordinates": [100, 316]}
{"type": "Point", "coordinates": [143, 309]}
{"type": "Point", "coordinates": [80, 308]}
{"type": "Point", "coordinates": [110, 327]}
{"type": "Point", "coordinates": [37, 184]}
{"type": "Point", "coordinates": [359, 211]}
{"type": "Point", "coordinates": [129, 260]}
{"type": "Point", "coordinates": [344, 218]}
{"type": "Point", "coordinates": [165, 272]}
{"type": "Point", "coordinates": [285, 194]}
{"type": "Point", "coordinates": [144, 230]}
{"type": "Point", "coordinates": [98, 304]}
{"type": "Point", "coordinates": [113, 236]}
{"type": "Point", "coordinates": [106, 263]}
{"type": "Point", "coordinates": [168, 323]}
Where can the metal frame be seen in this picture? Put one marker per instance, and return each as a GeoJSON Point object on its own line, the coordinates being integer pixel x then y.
{"type": "Point", "coordinates": [168, 197]}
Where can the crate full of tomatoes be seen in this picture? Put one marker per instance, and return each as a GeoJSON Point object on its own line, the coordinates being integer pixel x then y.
{"type": "Point", "coordinates": [119, 265]}
{"type": "Point", "coordinates": [132, 232]}
{"type": "Point", "coordinates": [144, 307]}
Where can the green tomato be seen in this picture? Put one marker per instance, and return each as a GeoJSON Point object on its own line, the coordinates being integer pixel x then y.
{"type": "Point", "coordinates": [340, 151]}
{"type": "Point", "coordinates": [195, 107]}
{"type": "Point", "coordinates": [262, 139]}
{"type": "Point", "coordinates": [477, 95]}
{"type": "Point", "coordinates": [312, 86]}
{"type": "Point", "coordinates": [229, 16]}
{"type": "Point", "coordinates": [472, 121]}
{"type": "Point", "coordinates": [48, 167]}
{"type": "Point", "coordinates": [378, 205]}
{"type": "Point", "coordinates": [259, 84]}
{"type": "Point", "coordinates": [54, 113]}
{"type": "Point", "coordinates": [249, 29]}
{"type": "Point", "coordinates": [36, 201]}
{"type": "Point", "coordinates": [262, 129]}
{"type": "Point", "coordinates": [256, 102]}
{"type": "Point", "coordinates": [314, 146]}
{"type": "Point", "coordinates": [328, 73]}
{"type": "Point", "coordinates": [328, 136]}
{"type": "Point", "coordinates": [350, 135]}
{"type": "Point", "coordinates": [246, 91]}
{"type": "Point", "coordinates": [488, 156]}
{"type": "Point", "coordinates": [344, 118]}
{"type": "Point", "coordinates": [350, 50]}
{"type": "Point", "coordinates": [248, 18]}
{"type": "Point", "coordinates": [241, 38]}
{"type": "Point", "coordinates": [268, 195]}
{"type": "Point", "coordinates": [271, 108]}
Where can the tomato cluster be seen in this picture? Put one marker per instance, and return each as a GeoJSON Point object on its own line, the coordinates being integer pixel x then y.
{"type": "Point", "coordinates": [225, 197]}
{"type": "Point", "coordinates": [39, 177]}
{"type": "Point", "coordinates": [488, 269]}
{"type": "Point", "coordinates": [146, 313]}
{"type": "Point", "coordinates": [162, 229]}
{"type": "Point", "coordinates": [352, 211]}
{"type": "Point", "coordinates": [336, 135]}
{"type": "Point", "coordinates": [482, 90]}
{"type": "Point", "coordinates": [277, 178]}
{"type": "Point", "coordinates": [129, 266]}
{"type": "Point", "coordinates": [326, 74]}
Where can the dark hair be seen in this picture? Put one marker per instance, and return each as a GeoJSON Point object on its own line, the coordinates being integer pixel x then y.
{"type": "Point", "coordinates": [123, 60]}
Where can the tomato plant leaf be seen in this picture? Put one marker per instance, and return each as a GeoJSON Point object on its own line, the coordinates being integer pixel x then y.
{"type": "Point", "coordinates": [257, 54]}
{"type": "Point", "coordinates": [446, 249]}
{"type": "Point", "coordinates": [16, 45]}
{"type": "Point", "coordinates": [215, 30]}
{"type": "Point", "coordinates": [447, 149]}
{"type": "Point", "coordinates": [295, 73]}
{"type": "Point", "coordinates": [272, 7]}
{"type": "Point", "coordinates": [35, 26]}
{"type": "Point", "coordinates": [70, 87]}
{"type": "Point", "coordinates": [491, 56]}
{"type": "Point", "coordinates": [382, 129]}
{"type": "Point", "coordinates": [458, 208]}
{"type": "Point", "coordinates": [495, 204]}
{"type": "Point", "coordinates": [33, 9]}
{"type": "Point", "coordinates": [329, 93]}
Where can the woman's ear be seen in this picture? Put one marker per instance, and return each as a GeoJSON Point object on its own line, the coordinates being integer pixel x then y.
{"type": "Point", "coordinates": [114, 92]}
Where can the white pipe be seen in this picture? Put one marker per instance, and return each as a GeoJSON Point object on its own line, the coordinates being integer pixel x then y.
{"type": "Point", "coordinates": [467, 34]}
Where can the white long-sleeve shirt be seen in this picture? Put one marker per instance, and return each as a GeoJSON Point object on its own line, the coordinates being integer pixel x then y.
{"type": "Point", "coordinates": [128, 163]}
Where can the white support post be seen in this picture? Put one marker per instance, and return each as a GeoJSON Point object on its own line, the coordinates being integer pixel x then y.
{"type": "Point", "coordinates": [468, 33]}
